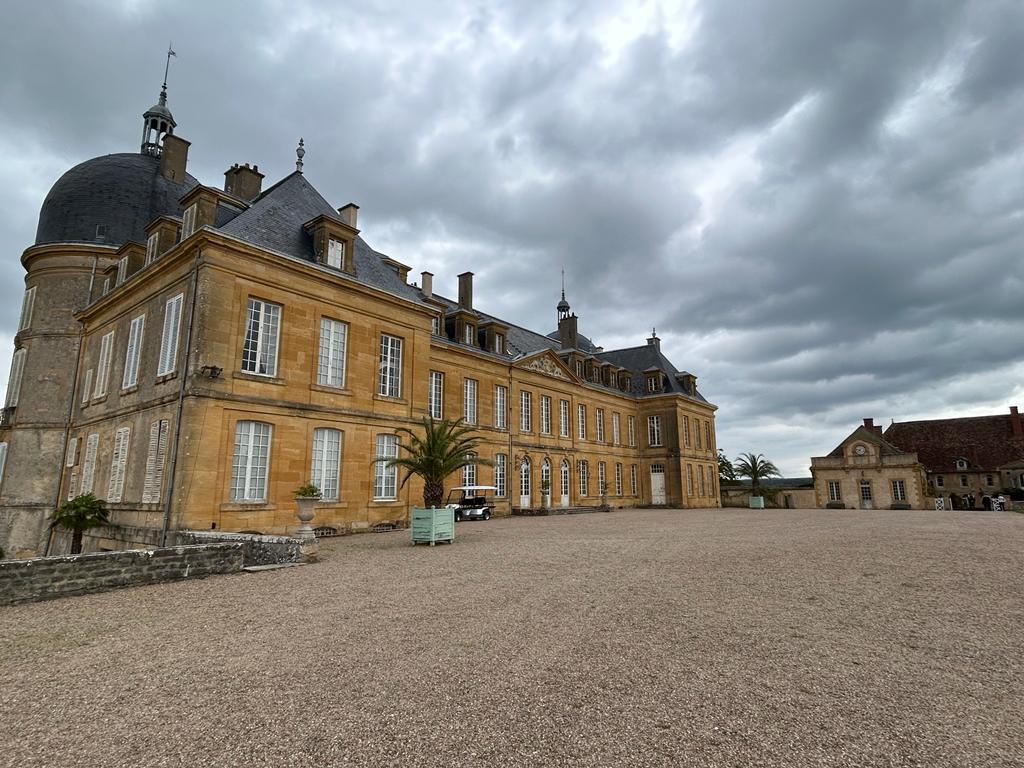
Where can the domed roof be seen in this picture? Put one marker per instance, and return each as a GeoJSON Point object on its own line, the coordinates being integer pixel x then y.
{"type": "Point", "coordinates": [109, 199]}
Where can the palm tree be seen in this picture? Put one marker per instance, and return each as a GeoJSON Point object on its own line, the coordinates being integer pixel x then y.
{"type": "Point", "coordinates": [757, 468]}
{"type": "Point", "coordinates": [80, 514]}
{"type": "Point", "coordinates": [445, 447]}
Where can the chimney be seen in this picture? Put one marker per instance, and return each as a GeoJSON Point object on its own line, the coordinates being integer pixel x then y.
{"type": "Point", "coordinates": [349, 214]}
{"type": "Point", "coordinates": [870, 424]}
{"type": "Point", "coordinates": [1018, 429]}
{"type": "Point", "coordinates": [243, 182]}
{"type": "Point", "coordinates": [174, 158]}
{"type": "Point", "coordinates": [567, 334]}
{"type": "Point", "coordinates": [466, 290]}
{"type": "Point", "coordinates": [427, 284]}
{"type": "Point", "coordinates": [654, 341]}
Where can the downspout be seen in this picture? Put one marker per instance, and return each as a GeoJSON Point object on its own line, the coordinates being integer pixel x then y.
{"type": "Point", "coordinates": [181, 400]}
{"type": "Point", "coordinates": [509, 484]}
{"type": "Point", "coordinates": [71, 399]}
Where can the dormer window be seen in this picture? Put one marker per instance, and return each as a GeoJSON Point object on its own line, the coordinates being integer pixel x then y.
{"type": "Point", "coordinates": [335, 253]}
{"type": "Point", "coordinates": [122, 270]}
{"type": "Point", "coordinates": [468, 333]}
{"type": "Point", "coordinates": [499, 343]}
{"type": "Point", "coordinates": [435, 325]}
{"type": "Point", "coordinates": [151, 246]}
{"type": "Point", "coordinates": [579, 368]}
{"type": "Point", "coordinates": [961, 464]}
{"type": "Point", "coordinates": [188, 223]}
{"type": "Point", "coordinates": [652, 383]}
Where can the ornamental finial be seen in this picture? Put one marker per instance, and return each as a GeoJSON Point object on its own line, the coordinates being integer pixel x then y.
{"type": "Point", "coordinates": [299, 153]}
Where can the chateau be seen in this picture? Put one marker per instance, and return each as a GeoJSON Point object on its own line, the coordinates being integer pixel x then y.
{"type": "Point", "coordinates": [193, 354]}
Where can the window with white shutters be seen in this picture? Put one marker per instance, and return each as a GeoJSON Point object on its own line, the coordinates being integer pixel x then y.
{"type": "Point", "coordinates": [169, 337]}
{"type": "Point", "coordinates": [71, 455]}
{"type": "Point", "coordinates": [86, 386]}
{"type": "Point", "coordinates": [133, 353]}
{"type": "Point", "coordinates": [251, 461]}
{"type": "Point", "coordinates": [501, 407]}
{"type": "Point", "coordinates": [122, 270]}
{"type": "Point", "coordinates": [385, 478]}
{"type": "Point", "coordinates": [188, 221]}
{"type": "Point", "coordinates": [72, 486]}
{"type": "Point", "coordinates": [390, 382]}
{"type": "Point", "coordinates": [469, 389]}
{"type": "Point", "coordinates": [14, 382]}
{"type": "Point", "coordinates": [92, 445]}
{"type": "Point", "coordinates": [259, 351]}
{"type": "Point", "coordinates": [118, 462]}
{"type": "Point", "coordinates": [151, 245]}
{"type": "Point", "coordinates": [326, 462]}
{"type": "Point", "coordinates": [27, 305]}
{"type": "Point", "coordinates": [330, 369]}
{"type": "Point", "coordinates": [155, 457]}
{"type": "Point", "coordinates": [103, 366]}
{"type": "Point", "coordinates": [435, 395]}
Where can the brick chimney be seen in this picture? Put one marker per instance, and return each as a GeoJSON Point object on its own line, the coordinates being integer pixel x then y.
{"type": "Point", "coordinates": [567, 333]}
{"type": "Point", "coordinates": [1018, 429]}
{"type": "Point", "coordinates": [174, 157]}
{"type": "Point", "coordinates": [427, 284]}
{"type": "Point", "coordinates": [870, 424]}
{"type": "Point", "coordinates": [466, 290]}
{"type": "Point", "coordinates": [243, 182]}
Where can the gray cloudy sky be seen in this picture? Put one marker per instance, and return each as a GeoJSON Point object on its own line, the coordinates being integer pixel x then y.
{"type": "Point", "coordinates": [819, 205]}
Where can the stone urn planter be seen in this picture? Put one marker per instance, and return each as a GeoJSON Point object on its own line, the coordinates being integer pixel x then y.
{"type": "Point", "coordinates": [429, 526]}
{"type": "Point", "coordinates": [306, 498]}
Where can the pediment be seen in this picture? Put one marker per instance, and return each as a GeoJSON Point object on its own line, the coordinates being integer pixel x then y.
{"type": "Point", "coordinates": [547, 363]}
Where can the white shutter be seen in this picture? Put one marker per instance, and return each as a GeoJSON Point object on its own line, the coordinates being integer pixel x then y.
{"type": "Point", "coordinates": [73, 486]}
{"type": "Point", "coordinates": [72, 453]}
{"type": "Point", "coordinates": [169, 337]}
{"type": "Point", "coordinates": [103, 366]}
{"type": "Point", "coordinates": [3, 460]}
{"type": "Point", "coordinates": [92, 444]}
{"type": "Point", "coordinates": [27, 305]}
{"type": "Point", "coordinates": [131, 357]}
{"type": "Point", "coordinates": [115, 486]}
{"type": "Point", "coordinates": [155, 456]}
{"type": "Point", "coordinates": [122, 270]}
{"type": "Point", "coordinates": [151, 245]}
{"type": "Point", "coordinates": [86, 389]}
{"type": "Point", "coordinates": [14, 383]}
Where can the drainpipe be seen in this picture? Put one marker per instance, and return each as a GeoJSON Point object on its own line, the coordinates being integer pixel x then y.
{"type": "Point", "coordinates": [181, 400]}
{"type": "Point", "coordinates": [71, 399]}
{"type": "Point", "coordinates": [509, 475]}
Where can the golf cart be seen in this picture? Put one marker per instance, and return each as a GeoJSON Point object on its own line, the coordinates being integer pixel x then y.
{"type": "Point", "coordinates": [472, 502]}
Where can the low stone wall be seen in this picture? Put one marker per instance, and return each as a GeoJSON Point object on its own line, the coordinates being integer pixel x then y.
{"type": "Point", "coordinates": [43, 578]}
{"type": "Point", "coordinates": [258, 549]}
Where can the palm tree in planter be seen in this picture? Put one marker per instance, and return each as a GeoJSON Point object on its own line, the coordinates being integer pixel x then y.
{"type": "Point", "coordinates": [444, 447]}
{"type": "Point", "coordinates": [757, 468]}
{"type": "Point", "coordinates": [80, 514]}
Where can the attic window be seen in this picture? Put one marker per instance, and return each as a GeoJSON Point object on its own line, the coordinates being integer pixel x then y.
{"type": "Point", "coordinates": [499, 343]}
{"type": "Point", "coordinates": [435, 325]}
{"type": "Point", "coordinates": [101, 232]}
{"type": "Point", "coordinates": [122, 270]}
{"type": "Point", "coordinates": [652, 383]}
{"type": "Point", "coordinates": [335, 253]}
{"type": "Point", "coordinates": [467, 334]}
{"type": "Point", "coordinates": [961, 464]}
{"type": "Point", "coordinates": [188, 222]}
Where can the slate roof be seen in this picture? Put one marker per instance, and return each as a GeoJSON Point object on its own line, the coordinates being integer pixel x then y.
{"type": "Point", "coordinates": [122, 192]}
{"type": "Point", "coordinates": [646, 357]}
{"type": "Point", "coordinates": [985, 442]}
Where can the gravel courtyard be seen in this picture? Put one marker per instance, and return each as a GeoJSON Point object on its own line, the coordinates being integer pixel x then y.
{"type": "Point", "coordinates": [635, 638]}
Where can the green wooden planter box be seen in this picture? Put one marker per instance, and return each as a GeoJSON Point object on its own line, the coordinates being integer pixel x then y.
{"type": "Point", "coordinates": [757, 502]}
{"type": "Point", "coordinates": [430, 526]}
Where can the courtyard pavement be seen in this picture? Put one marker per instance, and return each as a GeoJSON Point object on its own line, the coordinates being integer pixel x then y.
{"type": "Point", "coordinates": [634, 638]}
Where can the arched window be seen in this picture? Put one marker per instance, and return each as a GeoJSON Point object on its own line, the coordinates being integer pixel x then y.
{"type": "Point", "coordinates": [565, 478]}
{"type": "Point", "coordinates": [524, 478]}
{"type": "Point", "coordinates": [545, 475]}
{"type": "Point", "coordinates": [583, 470]}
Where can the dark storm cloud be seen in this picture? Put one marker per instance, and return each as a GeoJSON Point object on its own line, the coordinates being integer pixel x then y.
{"type": "Point", "coordinates": [817, 204]}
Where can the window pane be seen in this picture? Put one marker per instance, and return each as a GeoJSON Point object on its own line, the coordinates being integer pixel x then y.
{"type": "Point", "coordinates": [330, 370]}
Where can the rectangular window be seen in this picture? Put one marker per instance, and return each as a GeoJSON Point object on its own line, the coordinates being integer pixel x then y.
{"type": "Point", "coordinates": [118, 462]}
{"type": "Point", "coordinates": [14, 381]}
{"type": "Point", "coordinates": [963, 481]}
{"type": "Point", "coordinates": [581, 421]}
{"type": "Point", "coordinates": [133, 353]}
{"type": "Point", "coordinates": [989, 480]}
{"type": "Point", "coordinates": [106, 286]}
{"type": "Point", "coordinates": [631, 431]}
{"type": "Point", "coordinates": [3, 460]}
{"type": "Point", "coordinates": [28, 303]}
{"type": "Point", "coordinates": [618, 479]}
{"type": "Point", "coordinates": [940, 481]}
{"type": "Point", "coordinates": [615, 429]}
{"type": "Point", "coordinates": [250, 464]}
{"type": "Point", "coordinates": [579, 368]}
{"type": "Point", "coordinates": [103, 366]}
{"type": "Point", "coordinates": [652, 384]}
{"type": "Point", "coordinates": [71, 454]}
{"type": "Point", "coordinates": [469, 471]}
{"type": "Point", "coordinates": [92, 446]}
{"type": "Point", "coordinates": [390, 366]}
{"type": "Point", "coordinates": [86, 387]}
{"type": "Point", "coordinates": [469, 389]}
{"type": "Point", "coordinates": [583, 470]}
{"type": "Point", "coordinates": [335, 253]}
{"type": "Point", "coordinates": [686, 431]}
{"type": "Point", "coordinates": [689, 480]}
{"type": "Point", "coordinates": [707, 435]}
{"type": "Point", "coordinates": [654, 431]}
{"type": "Point", "coordinates": [563, 418]}
{"type": "Point", "coordinates": [169, 337]}
{"type": "Point", "coordinates": [326, 466]}
{"type": "Point", "coordinates": [602, 484]}
{"type": "Point", "coordinates": [330, 366]}
{"type": "Point", "coordinates": [188, 221]}
{"type": "Point", "coordinates": [435, 325]}
{"type": "Point", "coordinates": [467, 334]}
{"type": "Point", "coordinates": [700, 479]}
{"type": "Point", "coordinates": [499, 343]}
{"type": "Point", "coordinates": [835, 492]}
{"type": "Point", "coordinates": [599, 424]}
{"type": "Point", "coordinates": [545, 414]}
{"type": "Point", "coordinates": [435, 395]}
{"type": "Point", "coordinates": [899, 491]}
{"type": "Point", "coordinates": [122, 270]}
{"type": "Point", "coordinates": [501, 407]}
{"type": "Point", "coordinates": [152, 242]}
{"type": "Point", "coordinates": [865, 490]}
{"type": "Point", "coordinates": [500, 473]}
{"type": "Point", "coordinates": [259, 352]}
{"type": "Point", "coordinates": [632, 479]}
{"type": "Point", "coordinates": [385, 478]}
{"type": "Point", "coordinates": [696, 433]}
{"type": "Point", "coordinates": [525, 411]}
{"type": "Point", "coordinates": [155, 455]}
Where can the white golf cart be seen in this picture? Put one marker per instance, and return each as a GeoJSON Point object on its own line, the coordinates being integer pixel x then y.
{"type": "Point", "coordinates": [472, 502]}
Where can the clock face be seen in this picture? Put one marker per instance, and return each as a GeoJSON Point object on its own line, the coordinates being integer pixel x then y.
{"type": "Point", "coordinates": [860, 450]}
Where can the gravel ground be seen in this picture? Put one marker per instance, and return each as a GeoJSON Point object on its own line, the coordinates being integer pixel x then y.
{"type": "Point", "coordinates": [636, 638]}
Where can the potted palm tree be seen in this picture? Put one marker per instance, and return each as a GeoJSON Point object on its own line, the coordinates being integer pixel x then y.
{"type": "Point", "coordinates": [78, 515]}
{"type": "Point", "coordinates": [442, 448]}
{"type": "Point", "coordinates": [306, 497]}
{"type": "Point", "coordinates": [757, 468]}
